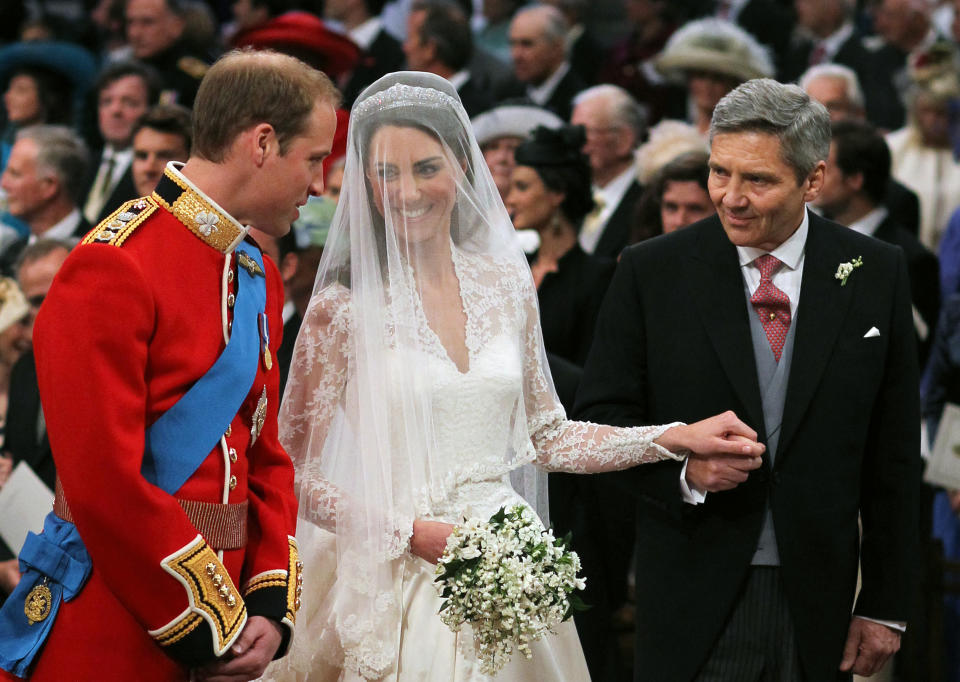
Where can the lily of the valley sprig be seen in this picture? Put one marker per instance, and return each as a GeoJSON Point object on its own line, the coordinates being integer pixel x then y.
{"type": "Point", "coordinates": [845, 269]}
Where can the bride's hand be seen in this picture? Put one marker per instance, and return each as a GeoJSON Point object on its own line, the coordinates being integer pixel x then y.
{"type": "Point", "coordinates": [723, 434]}
{"type": "Point", "coordinates": [429, 539]}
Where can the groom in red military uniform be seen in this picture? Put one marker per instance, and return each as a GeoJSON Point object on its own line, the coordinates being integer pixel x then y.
{"type": "Point", "coordinates": [170, 552]}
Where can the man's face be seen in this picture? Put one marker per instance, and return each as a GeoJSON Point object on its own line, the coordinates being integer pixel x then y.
{"type": "Point", "coordinates": [419, 54]}
{"type": "Point", "coordinates": [755, 192]}
{"type": "Point", "coordinates": [119, 106]}
{"type": "Point", "coordinates": [152, 149]}
{"type": "Point", "coordinates": [683, 203]}
{"type": "Point", "coordinates": [295, 175]}
{"type": "Point", "coordinates": [820, 17]}
{"type": "Point", "coordinates": [535, 58]}
{"type": "Point", "coordinates": [837, 190]}
{"type": "Point", "coordinates": [832, 93]}
{"type": "Point", "coordinates": [609, 143]}
{"type": "Point", "coordinates": [151, 27]}
{"type": "Point", "coordinates": [35, 278]}
{"type": "Point", "coordinates": [28, 189]}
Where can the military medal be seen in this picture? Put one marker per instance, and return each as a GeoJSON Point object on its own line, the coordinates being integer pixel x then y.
{"type": "Point", "coordinates": [265, 341]}
{"type": "Point", "coordinates": [38, 603]}
{"type": "Point", "coordinates": [248, 264]}
{"type": "Point", "coordinates": [259, 417]}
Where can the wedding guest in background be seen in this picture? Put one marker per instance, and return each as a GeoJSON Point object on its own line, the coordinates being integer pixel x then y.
{"type": "Point", "coordinates": [43, 181]}
{"type": "Point", "coordinates": [676, 197]}
{"type": "Point", "coordinates": [582, 47]}
{"type": "Point", "coordinates": [666, 141]}
{"type": "Point", "coordinates": [439, 40]}
{"type": "Point", "coordinates": [711, 57]}
{"type": "Point", "coordinates": [615, 125]}
{"type": "Point", "coordinates": [125, 90]}
{"type": "Point", "coordinates": [381, 52]}
{"type": "Point", "coordinates": [501, 130]}
{"type": "Point", "coordinates": [161, 135]}
{"type": "Point", "coordinates": [837, 87]}
{"type": "Point", "coordinates": [922, 153]}
{"type": "Point", "coordinates": [156, 33]}
{"type": "Point", "coordinates": [550, 193]}
{"type": "Point", "coordinates": [539, 51]}
{"type": "Point", "coordinates": [629, 63]}
{"type": "Point", "coordinates": [854, 187]}
{"type": "Point", "coordinates": [724, 581]}
{"type": "Point", "coordinates": [25, 437]}
{"type": "Point", "coordinates": [14, 341]}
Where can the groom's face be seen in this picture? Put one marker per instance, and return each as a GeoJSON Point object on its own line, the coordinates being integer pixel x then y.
{"type": "Point", "coordinates": [756, 193]}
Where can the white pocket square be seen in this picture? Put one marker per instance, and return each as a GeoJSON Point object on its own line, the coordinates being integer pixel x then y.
{"type": "Point", "coordinates": [873, 332]}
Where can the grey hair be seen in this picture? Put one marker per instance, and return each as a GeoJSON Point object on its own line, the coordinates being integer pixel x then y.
{"type": "Point", "coordinates": [555, 25]}
{"type": "Point", "coordinates": [763, 105]}
{"type": "Point", "coordinates": [60, 151]}
{"type": "Point", "coordinates": [838, 72]}
{"type": "Point", "coordinates": [625, 110]}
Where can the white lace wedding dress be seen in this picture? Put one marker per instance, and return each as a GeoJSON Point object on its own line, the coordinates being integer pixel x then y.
{"type": "Point", "coordinates": [474, 415]}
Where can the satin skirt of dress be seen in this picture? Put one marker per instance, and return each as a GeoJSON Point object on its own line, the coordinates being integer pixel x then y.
{"type": "Point", "coordinates": [429, 651]}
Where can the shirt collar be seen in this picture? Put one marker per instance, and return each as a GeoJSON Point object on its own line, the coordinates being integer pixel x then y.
{"type": "Point", "coordinates": [206, 219]}
{"type": "Point", "coordinates": [789, 252]}
{"type": "Point", "coordinates": [869, 223]}
{"type": "Point", "coordinates": [460, 78]}
{"type": "Point", "coordinates": [833, 42]}
{"type": "Point", "coordinates": [540, 94]}
{"type": "Point", "coordinates": [364, 34]}
{"type": "Point", "coordinates": [614, 190]}
{"type": "Point", "coordinates": [64, 228]}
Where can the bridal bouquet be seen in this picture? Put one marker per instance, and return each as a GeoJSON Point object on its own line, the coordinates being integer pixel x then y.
{"type": "Point", "coordinates": [510, 580]}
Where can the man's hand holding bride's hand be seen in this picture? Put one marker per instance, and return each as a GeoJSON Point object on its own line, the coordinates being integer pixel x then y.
{"type": "Point", "coordinates": [724, 451]}
{"type": "Point", "coordinates": [429, 539]}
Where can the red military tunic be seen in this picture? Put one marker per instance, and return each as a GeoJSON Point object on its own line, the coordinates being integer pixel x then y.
{"type": "Point", "coordinates": [137, 314]}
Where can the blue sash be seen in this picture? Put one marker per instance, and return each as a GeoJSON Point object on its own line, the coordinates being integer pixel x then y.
{"type": "Point", "coordinates": [176, 444]}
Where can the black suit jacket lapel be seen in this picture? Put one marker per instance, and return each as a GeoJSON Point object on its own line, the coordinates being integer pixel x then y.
{"type": "Point", "coordinates": [713, 274]}
{"type": "Point", "coordinates": [820, 314]}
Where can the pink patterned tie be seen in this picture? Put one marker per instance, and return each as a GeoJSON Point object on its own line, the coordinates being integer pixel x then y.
{"type": "Point", "coordinates": [772, 305]}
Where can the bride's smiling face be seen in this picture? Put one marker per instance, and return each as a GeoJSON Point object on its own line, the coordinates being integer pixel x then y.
{"type": "Point", "coordinates": [413, 185]}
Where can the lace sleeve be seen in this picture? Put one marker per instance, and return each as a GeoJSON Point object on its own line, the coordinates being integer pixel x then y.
{"type": "Point", "coordinates": [315, 388]}
{"type": "Point", "coordinates": [571, 446]}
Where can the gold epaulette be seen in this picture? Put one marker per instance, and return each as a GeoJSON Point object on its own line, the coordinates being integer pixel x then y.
{"type": "Point", "coordinates": [121, 223]}
{"type": "Point", "coordinates": [193, 67]}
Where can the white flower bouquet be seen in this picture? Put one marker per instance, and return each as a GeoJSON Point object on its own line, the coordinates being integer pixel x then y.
{"type": "Point", "coordinates": [510, 580]}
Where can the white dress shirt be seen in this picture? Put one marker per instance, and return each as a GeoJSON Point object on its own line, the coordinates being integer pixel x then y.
{"type": "Point", "coordinates": [364, 34]}
{"type": "Point", "coordinates": [611, 194]}
{"type": "Point", "coordinates": [62, 230]}
{"type": "Point", "coordinates": [868, 224]}
{"type": "Point", "coordinates": [540, 94]}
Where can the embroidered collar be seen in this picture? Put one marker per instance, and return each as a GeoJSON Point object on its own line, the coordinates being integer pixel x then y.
{"type": "Point", "coordinates": [198, 212]}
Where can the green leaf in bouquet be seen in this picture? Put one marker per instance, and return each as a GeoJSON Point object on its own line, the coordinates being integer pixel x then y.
{"type": "Point", "coordinates": [575, 604]}
{"type": "Point", "coordinates": [499, 517]}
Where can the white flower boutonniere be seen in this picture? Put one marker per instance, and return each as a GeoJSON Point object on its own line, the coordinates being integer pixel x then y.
{"type": "Point", "coordinates": [844, 269]}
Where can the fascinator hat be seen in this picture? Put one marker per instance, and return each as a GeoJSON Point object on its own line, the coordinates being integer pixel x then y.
{"type": "Point", "coordinates": [714, 46]}
{"type": "Point", "coordinates": [557, 156]}
{"type": "Point", "coordinates": [512, 120]}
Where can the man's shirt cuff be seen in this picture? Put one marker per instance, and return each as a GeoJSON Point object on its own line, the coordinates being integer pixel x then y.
{"type": "Point", "coordinates": [690, 495]}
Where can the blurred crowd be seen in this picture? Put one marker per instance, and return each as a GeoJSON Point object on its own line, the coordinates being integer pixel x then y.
{"type": "Point", "coordinates": [593, 119]}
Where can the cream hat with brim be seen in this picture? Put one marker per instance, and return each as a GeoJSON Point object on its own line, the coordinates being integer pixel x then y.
{"type": "Point", "coordinates": [13, 304]}
{"type": "Point", "coordinates": [512, 121]}
{"type": "Point", "coordinates": [714, 46]}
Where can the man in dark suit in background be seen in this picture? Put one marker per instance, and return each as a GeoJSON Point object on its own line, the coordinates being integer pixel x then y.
{"type": "Point", "coordinates": [803, 328]}
{"type": "Point", "coordinates": [381, 51]}
{"type": "Point", "coordinates": [440, 41]}
{"type": "Point", "coordinates": [125, 91]}
{"type": "Point", "coordinates": [615, 125]}
{"type": "Point", "coordinates": [538, 45]}
{"type": "Point", "coordinates": [854, 188]}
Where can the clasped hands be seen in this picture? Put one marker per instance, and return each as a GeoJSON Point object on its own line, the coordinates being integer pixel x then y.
{"type": "Point", "coordinates": [723, 450]}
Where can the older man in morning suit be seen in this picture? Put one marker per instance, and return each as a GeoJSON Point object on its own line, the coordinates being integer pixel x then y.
{"type": "Point", "coordinates": [803, 328]}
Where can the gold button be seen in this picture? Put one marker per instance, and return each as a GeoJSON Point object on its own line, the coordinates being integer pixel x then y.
{"type": "Point", "coordinates": [233, 482]}
{"type": "Point", "coordinates": [229, 275]}
{"type": "Point", "coordinates": [773, 316]}
{"type": "Point", "coordinates": [233, 454]}
{"type": "Point", "coordinates": [231, 299]}
{"type": "Point", "coordinates": [228, 431]}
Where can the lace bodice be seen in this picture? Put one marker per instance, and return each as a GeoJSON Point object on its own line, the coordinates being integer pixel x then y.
{"type": "Point", "coordinates": [499, 414]}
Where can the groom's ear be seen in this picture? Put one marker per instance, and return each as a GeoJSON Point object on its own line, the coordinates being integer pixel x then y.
{"type": "Point", "coordinates": [814, 182]}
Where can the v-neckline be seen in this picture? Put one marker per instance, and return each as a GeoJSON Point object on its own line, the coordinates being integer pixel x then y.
{"type": "Point", "coordinates": [441, 349]}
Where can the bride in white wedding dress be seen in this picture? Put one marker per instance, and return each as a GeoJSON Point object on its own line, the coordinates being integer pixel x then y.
{"type": "Point", "coordinates": [419, 395]}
